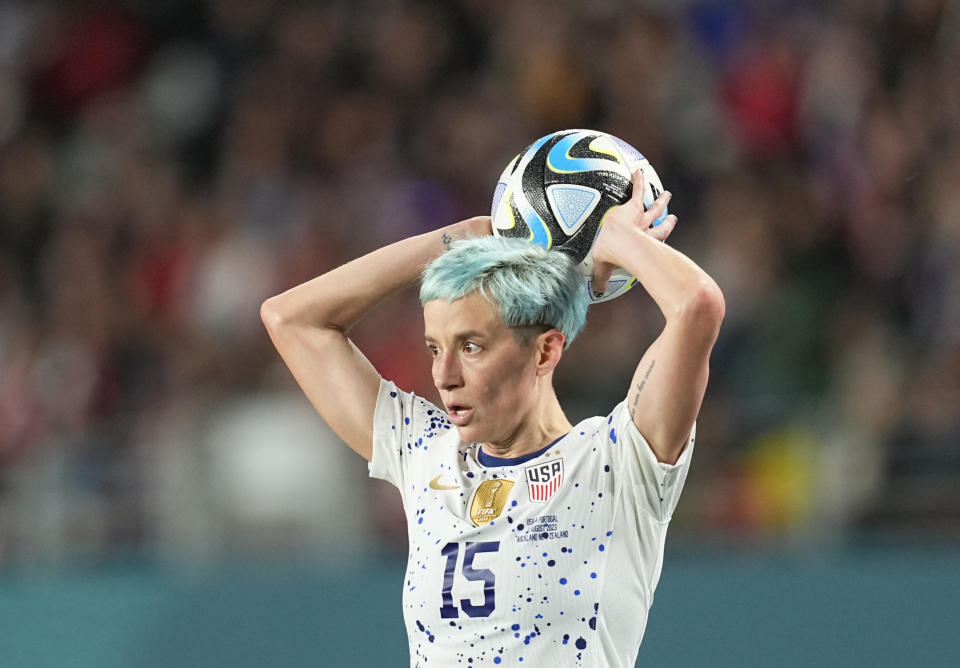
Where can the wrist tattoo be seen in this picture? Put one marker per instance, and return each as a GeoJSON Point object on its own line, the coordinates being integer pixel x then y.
{"type": "Point", "coordinates": [447, 240]}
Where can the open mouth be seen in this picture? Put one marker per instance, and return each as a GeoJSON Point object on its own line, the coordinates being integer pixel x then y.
{"type": "Point", "coordinates": [458, 414]}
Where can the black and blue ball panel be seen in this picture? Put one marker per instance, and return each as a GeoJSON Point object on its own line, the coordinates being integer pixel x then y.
{"type": "Point", "coordinates": [557, 191]}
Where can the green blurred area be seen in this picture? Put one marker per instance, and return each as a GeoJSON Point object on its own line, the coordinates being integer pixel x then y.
{"type": "Point", "coordinates": [864, 607]}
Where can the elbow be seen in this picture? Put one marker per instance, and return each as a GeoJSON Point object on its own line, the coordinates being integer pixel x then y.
{"type": "Point", "coordinates": [706, 306]}
{"type": "Point", "coordinates": [278, 315]}
{"type": "Point", "coordinates": [271, 315]}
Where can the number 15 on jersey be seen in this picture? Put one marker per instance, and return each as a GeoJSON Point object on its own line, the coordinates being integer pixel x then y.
{"type": "Point", "coordinates": [452, 552]}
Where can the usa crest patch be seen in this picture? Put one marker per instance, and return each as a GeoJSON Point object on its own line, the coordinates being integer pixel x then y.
{"type": "Point", "coordinates": [543, 480]}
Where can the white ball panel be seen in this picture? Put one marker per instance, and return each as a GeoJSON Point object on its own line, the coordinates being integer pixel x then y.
{"type": "Point", "coordinates": [572, 204]}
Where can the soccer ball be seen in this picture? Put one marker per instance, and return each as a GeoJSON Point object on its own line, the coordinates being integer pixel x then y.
{"type": "Point", "coordinates": [556, 192]}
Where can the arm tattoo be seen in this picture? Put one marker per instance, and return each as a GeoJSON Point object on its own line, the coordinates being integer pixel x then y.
{"type": "Point", "coordinates": [446, 240]}
{"type": "Point", "coordinates": [640, 385]}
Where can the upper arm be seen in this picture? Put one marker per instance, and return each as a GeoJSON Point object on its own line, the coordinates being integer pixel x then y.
{"type": "Point", "coordinates": [338, 380]}
{"type": "Point", "coordinates": [669, 383]}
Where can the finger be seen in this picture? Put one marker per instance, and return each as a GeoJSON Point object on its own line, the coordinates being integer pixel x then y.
{"type": "Point", "coordinates": [657, 209]}
{"type": "Point", "coordinates": [601, 276]}
{"type": "Point", "coordinates": [663, 230]}
{"type": "Point", "coordinates": [639, 185]}
{"type": "Point", "coordinates": [482, 225]}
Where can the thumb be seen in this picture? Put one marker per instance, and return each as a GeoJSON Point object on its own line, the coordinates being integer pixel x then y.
{"type": "Point", "coordinates": [601, 276]}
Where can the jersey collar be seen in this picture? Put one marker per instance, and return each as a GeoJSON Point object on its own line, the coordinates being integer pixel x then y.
{"type": "Point", "coordinates": [491, 461]}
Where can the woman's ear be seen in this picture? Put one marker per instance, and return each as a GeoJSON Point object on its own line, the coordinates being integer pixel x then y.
{"type": "Point", "coordinates": [549, 350]}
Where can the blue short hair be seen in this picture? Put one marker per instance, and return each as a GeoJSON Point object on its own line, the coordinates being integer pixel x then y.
{"type": "Point", "coordinates": [529, 285]}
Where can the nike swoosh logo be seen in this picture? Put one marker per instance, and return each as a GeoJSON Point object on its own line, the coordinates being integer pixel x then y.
{"type": "Point", "coordinates": [435, 484]}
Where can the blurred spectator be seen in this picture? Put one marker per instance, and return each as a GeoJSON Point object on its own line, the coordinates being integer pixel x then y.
{"type": "Point", "coordinates": [163, 168]}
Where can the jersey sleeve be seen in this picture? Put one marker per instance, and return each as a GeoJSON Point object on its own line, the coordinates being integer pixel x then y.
{"type": "Point", "coordinates": [655, 485]}
{"type": "Point", "coordinates": [401, 422]}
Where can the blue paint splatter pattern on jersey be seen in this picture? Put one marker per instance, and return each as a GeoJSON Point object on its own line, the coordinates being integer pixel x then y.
{"type": "Point", "coordinates": [567, 581]}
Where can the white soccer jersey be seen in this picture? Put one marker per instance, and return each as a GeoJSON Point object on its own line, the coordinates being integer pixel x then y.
{"type": "Point", "coordinates": [550, 559]}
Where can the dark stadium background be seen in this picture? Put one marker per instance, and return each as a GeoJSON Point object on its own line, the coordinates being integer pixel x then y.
{"type": "Point", "coordinates": [167, 497]}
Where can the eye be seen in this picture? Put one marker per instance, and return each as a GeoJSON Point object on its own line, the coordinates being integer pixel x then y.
{"type": "Point", "coordinates": [433, 350]}
{"type": "Point", "coordinates": [470, 347]}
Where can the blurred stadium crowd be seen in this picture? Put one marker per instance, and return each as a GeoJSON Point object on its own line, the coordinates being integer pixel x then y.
{"type": "Point", "coordinates": [167, 165]}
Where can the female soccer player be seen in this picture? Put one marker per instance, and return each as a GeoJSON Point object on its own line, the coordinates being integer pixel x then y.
{"type": "Point", "coordinates": [531, 539]}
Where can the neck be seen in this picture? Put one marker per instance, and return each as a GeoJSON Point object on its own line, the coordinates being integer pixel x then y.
{"type": "Point", "coordinates": [545, 424]}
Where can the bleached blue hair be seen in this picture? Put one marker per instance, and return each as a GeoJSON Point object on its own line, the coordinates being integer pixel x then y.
{"type": "Point", "coordinates": [529, 285]}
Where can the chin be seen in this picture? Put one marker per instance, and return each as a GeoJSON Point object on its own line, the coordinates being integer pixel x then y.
{"type": "Point", "coordinates": [470, 433]}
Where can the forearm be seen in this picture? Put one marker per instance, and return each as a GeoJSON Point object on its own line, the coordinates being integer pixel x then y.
{"type": "Point", "coordinates": [676, 283]}
{"type": "Point", "coordinates": [339, 298]}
